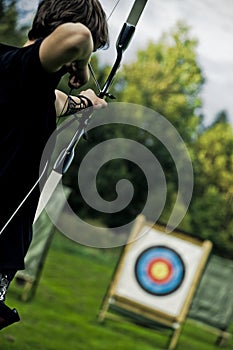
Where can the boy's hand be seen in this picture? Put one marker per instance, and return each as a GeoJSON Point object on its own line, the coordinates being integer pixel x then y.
{"type": "Point", "coordinates": [96, 101]}
{"type": "Point", "coordinates": [78, 76]}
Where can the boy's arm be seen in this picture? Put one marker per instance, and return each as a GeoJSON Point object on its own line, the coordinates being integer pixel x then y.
{"type": "Point", "coordinates": [70, 44]}
{"type": "Point", "coordinates": [61, 103]}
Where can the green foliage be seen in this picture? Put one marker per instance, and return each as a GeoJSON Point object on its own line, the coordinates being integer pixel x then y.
{"type": "Point", "coordinates": [167, 78]}
{"type": "Point", "coordinates": [212, 205]}
{"type": "Point", "coordinates": [221, 117]}
{"type": "Point", "coordinates": [10, 33]}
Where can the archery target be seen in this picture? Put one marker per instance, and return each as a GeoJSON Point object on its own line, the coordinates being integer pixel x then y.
{"type": "Point", "coordinates": [159, 270]}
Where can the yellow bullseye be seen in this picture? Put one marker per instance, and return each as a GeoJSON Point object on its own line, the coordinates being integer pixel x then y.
{"type": "Point", "coordinates": [159, 270]}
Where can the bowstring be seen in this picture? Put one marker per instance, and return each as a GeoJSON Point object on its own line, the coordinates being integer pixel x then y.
{"type": "Point", "coordinates": [113, 10]}
{"type": "Point", "coordinates": [89, 64]}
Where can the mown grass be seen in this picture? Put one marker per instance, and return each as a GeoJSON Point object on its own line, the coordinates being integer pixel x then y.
{"type": "Point", "coordinates": [63, 313]}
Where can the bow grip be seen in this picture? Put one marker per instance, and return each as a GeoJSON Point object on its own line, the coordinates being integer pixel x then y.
{"type": "Point", "coordinates": [64, 160]}
{"type": "Point", "coordinates": [125, 36]}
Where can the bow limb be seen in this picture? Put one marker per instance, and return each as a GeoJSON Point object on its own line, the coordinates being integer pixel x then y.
{"type": "Point", "coordinates": [122, 43]}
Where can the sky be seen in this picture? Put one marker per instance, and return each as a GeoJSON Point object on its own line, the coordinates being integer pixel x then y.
{"type": "Point", "coordinates": [210, 22]}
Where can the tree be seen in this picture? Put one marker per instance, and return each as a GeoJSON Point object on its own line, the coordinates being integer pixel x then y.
{"type": "Point", "coordinates": [170, 80]}
{"type": "Point", "coordinates": [10, 33]}
{"type": "Point", "coordinates": [212, 204]}
{"type": "Point", "coordinates": [221, 118]}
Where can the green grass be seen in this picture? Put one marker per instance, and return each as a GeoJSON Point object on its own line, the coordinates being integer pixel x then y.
{"type": "Point", "coordinates": [63, 313]}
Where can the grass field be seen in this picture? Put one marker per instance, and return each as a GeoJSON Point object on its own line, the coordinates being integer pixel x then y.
{"type": "Point", "coordinates": [63, 313]}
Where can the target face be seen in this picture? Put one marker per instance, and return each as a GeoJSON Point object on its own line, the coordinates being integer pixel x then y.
{"type": "Point", "coordinates": [159, 270]}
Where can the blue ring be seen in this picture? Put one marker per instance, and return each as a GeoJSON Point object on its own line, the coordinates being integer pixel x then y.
{"type": "Point", "coordinates": [152, 287]}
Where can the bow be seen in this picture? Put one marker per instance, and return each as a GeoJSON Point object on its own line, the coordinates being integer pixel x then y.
{"type": "Point", "coordinates": [66, 156]}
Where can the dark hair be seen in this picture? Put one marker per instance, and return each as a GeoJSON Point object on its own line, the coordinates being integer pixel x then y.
{"type": "Point", "coordinates": [52, 13]}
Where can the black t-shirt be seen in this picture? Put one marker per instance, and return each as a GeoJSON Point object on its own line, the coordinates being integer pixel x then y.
{"type": "Point", "coordinates": [27, 120]}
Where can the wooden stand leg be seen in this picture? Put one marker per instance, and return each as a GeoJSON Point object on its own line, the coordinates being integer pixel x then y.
{"type": "Point", "coordinates": [223, 338]}
{"type": "Point", "coordinates": [174, 338]}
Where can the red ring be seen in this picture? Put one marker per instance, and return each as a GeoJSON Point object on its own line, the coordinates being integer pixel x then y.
{"type": "Point", "coordinates": [156, 261]}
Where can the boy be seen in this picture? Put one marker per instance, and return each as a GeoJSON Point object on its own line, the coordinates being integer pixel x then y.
{"type": "Point", "coordinates": [62, 38]}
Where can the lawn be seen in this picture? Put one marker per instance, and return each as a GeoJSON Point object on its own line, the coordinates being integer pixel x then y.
{"type": "Point", "coordinates": [63, 313]}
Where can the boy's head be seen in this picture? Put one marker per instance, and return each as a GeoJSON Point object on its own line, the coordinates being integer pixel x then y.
{"type": "Point", "coordinates": [52, 13]}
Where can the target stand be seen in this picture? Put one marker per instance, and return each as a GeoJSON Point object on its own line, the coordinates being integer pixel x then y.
{"type": "Point", "coordinates": [155, 279]}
